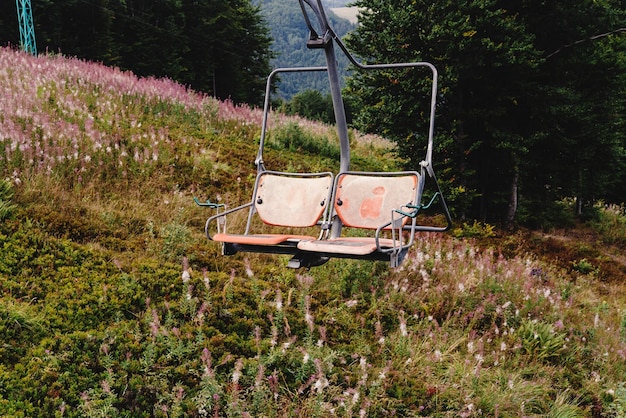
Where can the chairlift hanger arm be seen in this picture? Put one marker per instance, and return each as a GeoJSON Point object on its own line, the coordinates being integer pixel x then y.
{"type": "Point", "coordinates": [395, 188]}
{"type": "Point", "coordinates": [325, 42]}
{"type": "Point", "coordinates": [315, 40]}
{"type": "Point", "coordinates": [318, 9]}
{"type": "Point", "coordinates": [433, 94]}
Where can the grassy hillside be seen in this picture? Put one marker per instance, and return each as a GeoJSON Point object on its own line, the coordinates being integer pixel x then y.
{"type": "Point", "coordinates": [112, 302]}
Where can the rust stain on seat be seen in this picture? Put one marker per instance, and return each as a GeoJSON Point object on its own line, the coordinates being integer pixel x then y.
{"type": "Point", "coordinates": [367, 201]}
{"type": "Point", "coordinates": [370, 207]}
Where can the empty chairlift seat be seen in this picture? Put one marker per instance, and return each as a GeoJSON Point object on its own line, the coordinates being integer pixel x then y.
{"type": "Point", "coordinates": [372, 215]}
{"type": "Point", "coordinates": [376, 202]}
{"type": "Point", "coordinates": [288, 200]}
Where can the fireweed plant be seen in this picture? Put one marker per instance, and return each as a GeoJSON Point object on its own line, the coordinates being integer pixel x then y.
{"type": "Point", "coordinates": [113, 304]}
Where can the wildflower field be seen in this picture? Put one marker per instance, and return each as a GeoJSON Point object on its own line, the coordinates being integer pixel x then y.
{"type": "Point", "coordinates": [114, 304]}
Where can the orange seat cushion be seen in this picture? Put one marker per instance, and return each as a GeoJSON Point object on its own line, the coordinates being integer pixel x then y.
{"type": "Point", "coordinates": [260, 239]}
{"type": "Point", "coordinates": [346, 245]}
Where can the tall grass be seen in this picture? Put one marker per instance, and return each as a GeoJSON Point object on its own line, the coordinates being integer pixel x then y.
{"type": "Point", "coordinates": [112, 303]}
{"type": "Point", "coordinates": [79, 121]}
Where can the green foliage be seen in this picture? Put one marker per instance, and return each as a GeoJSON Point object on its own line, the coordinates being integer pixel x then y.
{"type": "Point", "coordinates": [583, 266]}
{"type": "Point", "coordinates": [541, 342]}
{"type": "Point", "coordinates": [610, 223]}
{"type": "Point", "coordinates": [546, 215]}
{"type": "Point", "coordinates": [459, 200]}
{"type": "Point", "coordinates": [618, 404]}
{"type": "Point", "coordinates": [509, 124]}
{"type": "Point", "coordinates": [311, 104]}
{"type": "Point", "coordinates": [175, 240]}
{"type": "Point", "coordinates": [293, 138]}
{"type": "Point", "coordinates": [475, 230]}
{"type": "Point", "coordinates": [6, 194]}
{"type": "Point", "coordinates": [20, 325]}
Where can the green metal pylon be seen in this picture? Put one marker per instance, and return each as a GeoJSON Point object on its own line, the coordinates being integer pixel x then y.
{"type": "Point", "coordinates": [27, 28]}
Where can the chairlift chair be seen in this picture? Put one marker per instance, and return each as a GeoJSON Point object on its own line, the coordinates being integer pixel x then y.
{"type": "Point", "coordinates": [382, 207]}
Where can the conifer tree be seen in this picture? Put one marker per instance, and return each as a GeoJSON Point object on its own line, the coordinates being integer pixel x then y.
{"type": "Point", "coordinates": [507, 105]}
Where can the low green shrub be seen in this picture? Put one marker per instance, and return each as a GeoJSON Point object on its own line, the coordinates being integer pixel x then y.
{"type": "Point", "coordinates": [546, 215]}
{"type": "Point", "coordinates": [475, 230]}
{"type": "Point", "coordinates": [541, 342]}
{"type": "Point", "coordinates": [7, 208]}
{"type": "Point", "coordinates": [584, 266]}
{"type": "Point", "coordinates": [617, 406]}
{"type": "Point", "coordinates": [610, 223]}
{"type": "Point", "coordinates": [293, 138]}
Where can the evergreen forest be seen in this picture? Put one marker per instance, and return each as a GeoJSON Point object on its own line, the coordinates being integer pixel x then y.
{"type": "Point", "coordinates": [531, 109]}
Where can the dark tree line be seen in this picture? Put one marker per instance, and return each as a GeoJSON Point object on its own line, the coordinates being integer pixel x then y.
{"type": "Point", "coordinates": [532, 98]}
{"type": "Point", "coordinates": [218, 47]}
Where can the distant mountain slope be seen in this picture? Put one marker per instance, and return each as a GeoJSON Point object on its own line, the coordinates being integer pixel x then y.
{"type": "Point", "coordinates": [289, 31]}
{"type": "Point", "coordinates": [348, 13]}
{"type": "Point", "coordinates": [336, 3]}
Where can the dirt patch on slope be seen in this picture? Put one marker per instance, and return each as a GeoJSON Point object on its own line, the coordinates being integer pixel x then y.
{"type": "Point", "coordinates": [579, 250]}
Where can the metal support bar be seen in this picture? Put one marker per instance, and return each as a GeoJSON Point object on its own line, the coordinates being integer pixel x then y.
{"type": "Point", "coordinates": [27, 28]}
{"type": "Point", "coordinates": [258, 162]}
{"type": "Point", "coordinates": [306, 251]}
